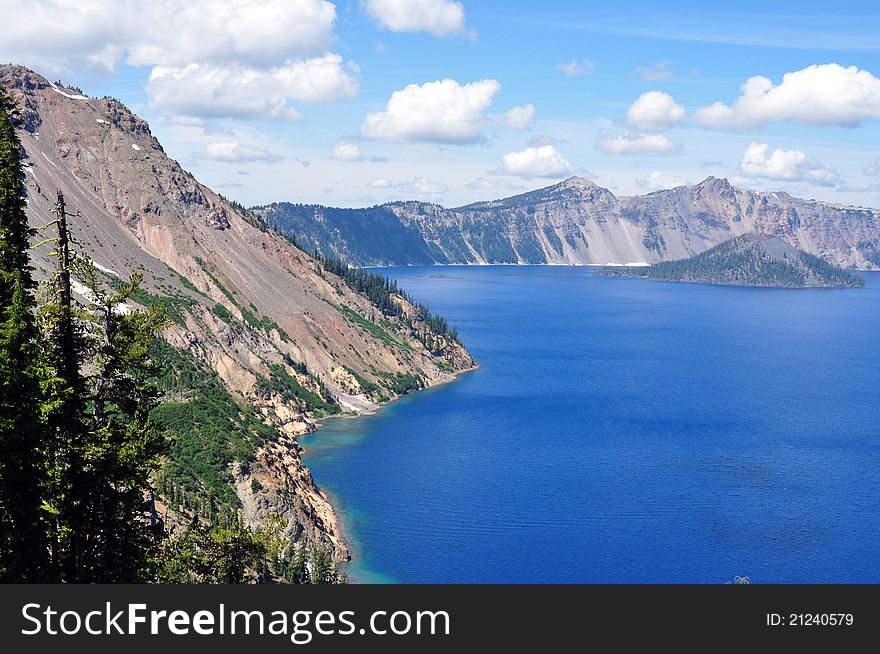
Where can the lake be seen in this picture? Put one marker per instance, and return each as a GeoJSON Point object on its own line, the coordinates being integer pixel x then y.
{"type": "Point", "coordinates": [622, 430]}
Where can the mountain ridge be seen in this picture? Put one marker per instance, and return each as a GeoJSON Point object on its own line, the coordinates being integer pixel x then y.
{"type": "Point", "coordinates": [577, 222]}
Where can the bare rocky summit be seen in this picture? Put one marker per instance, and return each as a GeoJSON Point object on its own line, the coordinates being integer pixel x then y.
{"type": "Point", "coordinates": [245, 301]}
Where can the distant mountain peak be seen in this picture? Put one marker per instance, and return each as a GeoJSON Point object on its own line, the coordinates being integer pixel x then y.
{"type": "Point", "coordinates": [23, 72]}
{"type": "Point", "coordinates": [576, 185]}
{"type": "Point", "coordinates": [577, 182]}
{"type": "Point", "coordinates": [712, 182]}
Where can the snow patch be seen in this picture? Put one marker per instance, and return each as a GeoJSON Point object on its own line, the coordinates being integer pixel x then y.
{"type": "Point", "coordinates": [135, 146]}
{"type": "Point", "coordinates": [105, 269]}
{"type": "Point", "coordinates": [82, 290]}
{"type": "Point", "coordinates": [85, 292]}
{"type": "Point", "coordinates": [102, 121]}
{"type": "Point", "coordinates": [612, 264]}
{"type": "Point", "coordinates": [48, 159]}
{"type": "Point", "coordinates": [67, 95]}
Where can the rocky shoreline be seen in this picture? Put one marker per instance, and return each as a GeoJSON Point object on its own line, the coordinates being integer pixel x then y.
{"type": "Point", "coordinates": [329, 528]}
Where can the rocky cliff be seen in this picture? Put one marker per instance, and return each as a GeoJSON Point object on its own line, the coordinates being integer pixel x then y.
{"type": "Point", "coordinates": [249, 308]}
{"type": "Point", "coordinates": [577, 222]}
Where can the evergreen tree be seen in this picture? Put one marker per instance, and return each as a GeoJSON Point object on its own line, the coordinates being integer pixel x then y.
{"type": "Point", "coordinates": [66, 346]}
{"type": "Point", "coordinates": [23, 550]}
{"type": "Point", "coordinates": [102, 448]}
{"type": "Point", "coordinates": [434, 330]}
{"type": "Point", "coordinates": [322, 568]}
{"type": "Point", "coordinates": [298, 571]}
{"type": "Point", "coordinates": [118, 536]}
{"type": "Point", "coordinates": [227, 552]}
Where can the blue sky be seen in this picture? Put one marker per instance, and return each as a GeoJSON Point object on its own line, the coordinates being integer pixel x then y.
{"type": "Point", "coordinates": [354, 103]}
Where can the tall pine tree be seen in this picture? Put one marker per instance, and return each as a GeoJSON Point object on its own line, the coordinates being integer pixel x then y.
{"type": "Point", "coordinates": [65, 348]}
{"type": "Point", "coordinates": [102, 447]}
{"type": "Point", "coordinates": [23, 547]}
{"type": "Point", "coordinates": [120, 535]}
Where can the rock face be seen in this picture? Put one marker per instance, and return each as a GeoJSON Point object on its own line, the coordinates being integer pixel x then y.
{"type": "Point", "coordinates": [577, 222]}
{"type": "Point", "coordinates": [242, 297]}
{"type": "Point", "coordinates": [748, 260]}
{"type": "Point", "coordinates": [285, 487]}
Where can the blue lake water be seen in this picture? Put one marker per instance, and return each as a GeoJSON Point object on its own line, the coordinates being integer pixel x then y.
{"type": "Point", "coordinates": [623, 431]}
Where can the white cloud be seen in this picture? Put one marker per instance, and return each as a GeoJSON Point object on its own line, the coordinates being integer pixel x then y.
{"type": "Point", "coordinates": [241, 92]}
{"type": "Point", "coordinates": [345, 151]}
{"type": "Point", "coordinates": [481, 183]}
{"type": "Point", "coordinates": [657, 73]}
{"type": "Point", "coordinates": [826, 94]}
{"type": "Point", "coordinates": [60, 35]}
{"type": "Point", "coordinates": [874, 169]}
{"type": "Point", "coordinates": [178, 32]}
{"type": "Point", "coordinates": [185, 121]}
{"type": "Point", "coordinates": [656, 111]}
{"type": "Point", "coordinates": [210, 58]}
{"type": "Point", "coordinates": [544, 161]}
{"type": "Point", "coordinates": [544, 139]}
{"type": "Point", "coordinates": [656, 181]}
{"type": "Point", "coordinates": [437, 112]}
{"type": "Point", "coordinates": [438, 17]}
{"type": "Point", "coordinates": [422, 186]}
{"type": "Point", "coordinates": [575, 67]}
{"type": "Point", "coordinates": [520, 118]}
{"type": "Point", "coordinates": [417, 187]}
{"type": "Point", "coordinates": [636, 143]}
{"type": "Point", "coordinates": [786, 165]}
{"type": "Point", "coordinates": [348, 151]}
{"type": "Point", "coordinates": [235, 152]}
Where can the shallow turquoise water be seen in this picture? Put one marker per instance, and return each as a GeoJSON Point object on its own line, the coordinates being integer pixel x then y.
{"type": "Point", "coordinates": [623, 431]}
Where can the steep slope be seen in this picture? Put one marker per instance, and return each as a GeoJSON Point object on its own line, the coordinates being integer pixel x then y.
{"type": "Point", "coordinates": [577, 222]}
{"type": "Point", "coordinates": [748, 260]}
{"type": "Point", "coordinates": [282, 337]}
{"type": "Point", "coordinates": [370, 237]}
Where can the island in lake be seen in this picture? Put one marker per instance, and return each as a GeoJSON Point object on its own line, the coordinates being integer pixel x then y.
{"type": "Point", "coordinates": [748, 260]}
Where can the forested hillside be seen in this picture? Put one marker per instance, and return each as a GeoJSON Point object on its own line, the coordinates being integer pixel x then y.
{"type": "Point", "coordinates": [750, 260]}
